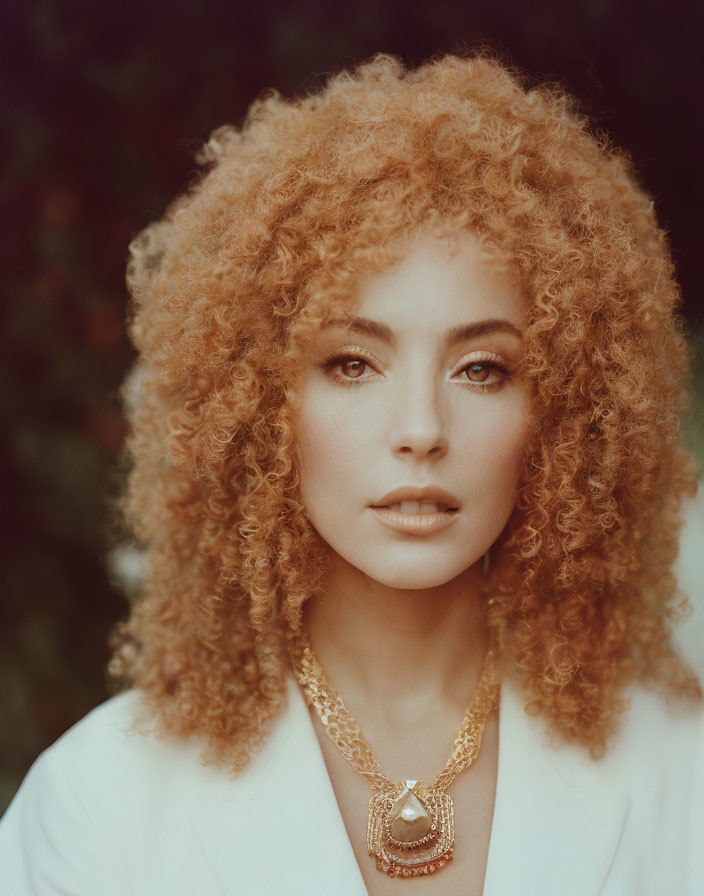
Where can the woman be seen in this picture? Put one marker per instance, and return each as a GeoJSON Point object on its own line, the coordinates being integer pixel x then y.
{"type": "Point", "coordinates": [406, 448]}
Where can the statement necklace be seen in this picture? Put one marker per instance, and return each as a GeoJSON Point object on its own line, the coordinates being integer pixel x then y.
{"type": "Point", "coordinates": [411, 828]}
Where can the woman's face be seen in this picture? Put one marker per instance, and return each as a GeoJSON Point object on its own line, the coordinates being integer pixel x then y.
{"type": "Point", "coordinates": [415, 391]}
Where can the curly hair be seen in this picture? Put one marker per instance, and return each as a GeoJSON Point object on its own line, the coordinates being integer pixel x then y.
{"type": "Point", "coordinates": [228, 290]}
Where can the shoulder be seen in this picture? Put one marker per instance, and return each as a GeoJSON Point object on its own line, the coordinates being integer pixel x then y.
{"type": "Point", "coordinates": [653, 763]}
{"type": "Point", "coordinates": [658, 743]}
{"type": "Point", "coordinates": [117, 737]}
{"type": "Point", "coordinates": [633, 818]}
{"type": "Point", "coordinates": [115, 761]}
{"type": "Point", "coordinates": [52, 824]}
{"type": "Point", "coordinates": [649, 710]}
{"type": "Point", "coordinates": [114, 750]}
{"type": "Point", "coordinates": [652, 728]}
{"type": "Point", "coordinates": [85, 817]}
{"type": "Point", "coordinates": [657, 760]}
{"type": "Point", "coordinates": [658, 750]}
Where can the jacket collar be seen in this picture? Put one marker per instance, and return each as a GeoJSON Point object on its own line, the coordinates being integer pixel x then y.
{"type": "Point", "coordinates": [276, 827]}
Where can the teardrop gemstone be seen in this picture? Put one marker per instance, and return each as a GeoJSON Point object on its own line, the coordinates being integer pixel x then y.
{"type": "Point", "coordinates": [409, 820]}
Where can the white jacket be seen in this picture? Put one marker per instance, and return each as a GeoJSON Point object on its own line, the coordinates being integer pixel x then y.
{"type": "Point", "coordinates": [108, 811]}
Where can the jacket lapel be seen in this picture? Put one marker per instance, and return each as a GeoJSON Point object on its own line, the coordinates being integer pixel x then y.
{"type": "Point", "coordinates": [558, 814]}
{"type": "Point", "coordinates": [276, 827]}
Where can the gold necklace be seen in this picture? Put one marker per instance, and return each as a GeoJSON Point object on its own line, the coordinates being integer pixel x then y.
{"type": "Point", "coordinates": [411, 827]}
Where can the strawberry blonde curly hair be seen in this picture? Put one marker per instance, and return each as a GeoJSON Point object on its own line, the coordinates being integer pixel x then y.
{"type": "Point", "coordinates": [228, 290]}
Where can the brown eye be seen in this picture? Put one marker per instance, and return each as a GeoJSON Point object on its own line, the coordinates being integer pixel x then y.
{"type": "Point", "coordinates": [477, 373]}
{"type": "Point", "coordinates": [353, 369]}
{"type": "Point", "coordinates": [349, 368]}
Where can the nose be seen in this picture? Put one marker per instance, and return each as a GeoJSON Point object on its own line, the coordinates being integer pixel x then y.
{"type": "Point", "coordinates": [419, 428]}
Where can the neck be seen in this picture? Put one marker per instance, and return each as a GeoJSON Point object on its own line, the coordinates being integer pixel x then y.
{"type": "Point", "coordinates": [388, 646]}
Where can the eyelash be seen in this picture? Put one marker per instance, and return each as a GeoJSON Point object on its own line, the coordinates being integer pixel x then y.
{"type": "Point", "coordinates": [488, 360]}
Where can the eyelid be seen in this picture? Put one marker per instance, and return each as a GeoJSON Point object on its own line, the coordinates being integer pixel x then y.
{"type": "Point", "coordinates": [351, 350]}
{"type": "Point", "coordinates": [477, 357]}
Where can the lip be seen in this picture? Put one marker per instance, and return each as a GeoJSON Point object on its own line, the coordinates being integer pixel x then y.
{"type": "Point", "coordinates": [428, 493]}
{"type": "Point", "coordinates": [414, 523]}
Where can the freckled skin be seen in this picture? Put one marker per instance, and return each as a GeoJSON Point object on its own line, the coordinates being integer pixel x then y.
{"type": "Point", "coordinates": [411, 417]}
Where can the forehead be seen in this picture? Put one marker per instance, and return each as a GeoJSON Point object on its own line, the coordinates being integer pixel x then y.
{"type": "Point", "coordinates": [439, 282]}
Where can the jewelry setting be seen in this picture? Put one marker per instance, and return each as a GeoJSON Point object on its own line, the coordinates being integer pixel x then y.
{"type": "Point", "coordinates": [405, 817]}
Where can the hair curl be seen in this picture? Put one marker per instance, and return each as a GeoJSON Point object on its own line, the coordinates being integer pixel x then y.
{"type": "Point", "coordinates": [228, 289]}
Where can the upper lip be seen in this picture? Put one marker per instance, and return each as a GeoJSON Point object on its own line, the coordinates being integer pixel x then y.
{"type": "Point", "coordinates": [430, 493]}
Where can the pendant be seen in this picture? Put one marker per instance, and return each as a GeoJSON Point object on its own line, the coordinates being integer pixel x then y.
{"type": "Point", "coordinates": [411, 829]}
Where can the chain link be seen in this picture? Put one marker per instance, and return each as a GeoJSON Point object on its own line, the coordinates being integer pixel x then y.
{"type": "Point", "coordinates": [344, 731]}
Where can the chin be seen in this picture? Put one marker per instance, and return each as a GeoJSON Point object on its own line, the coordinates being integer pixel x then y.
{"type": "Point", "coordinates": [414, 576]}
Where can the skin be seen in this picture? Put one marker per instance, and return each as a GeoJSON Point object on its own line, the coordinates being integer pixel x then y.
{"type": "Point", "coordinates": [399, 624]}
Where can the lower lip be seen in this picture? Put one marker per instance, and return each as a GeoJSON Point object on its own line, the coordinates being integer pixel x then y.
{"type": "Point", "coordinates": [415, 523]}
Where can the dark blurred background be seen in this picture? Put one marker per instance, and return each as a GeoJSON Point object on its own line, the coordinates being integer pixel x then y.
{"type": "Point", "coordinates": [103, 106]}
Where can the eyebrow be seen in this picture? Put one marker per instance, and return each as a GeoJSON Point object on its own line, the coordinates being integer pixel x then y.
{"type": "Point", "coordinates": [456, 334]}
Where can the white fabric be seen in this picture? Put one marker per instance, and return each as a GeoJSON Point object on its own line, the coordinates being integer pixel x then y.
{"type": "Point", "coordinates": [108, 811]}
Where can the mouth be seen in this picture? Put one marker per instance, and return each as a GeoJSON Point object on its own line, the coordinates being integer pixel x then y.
{"type": "Point", "coordinates": [416, 508]}
{"type": "Point", "coordinates": [415, 500]}
{"type": "Point", "coordinates": [415, 517]}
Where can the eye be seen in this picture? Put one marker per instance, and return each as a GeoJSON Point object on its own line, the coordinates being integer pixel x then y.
{"type": "Point", "coordinates": [354, 368]}
{"type": "Point", "coordinates": [484, 372]}
{"type": "Point", "coordinates": [349, 368]}
{"type": "Point", "coordinates": [478, 372]}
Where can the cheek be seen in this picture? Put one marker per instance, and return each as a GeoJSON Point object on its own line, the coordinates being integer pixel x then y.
{"type": "Point", "coordinates": [509, 443]}
{"type": "Point", "coordinates": [494, 445]}
{"type": "Point", "coordinates": [331, 447]}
